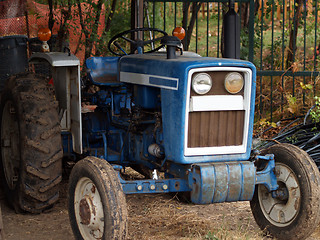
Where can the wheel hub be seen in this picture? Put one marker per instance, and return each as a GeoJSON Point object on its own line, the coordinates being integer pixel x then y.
{"type": "Point", "coordinates": [282, 193]}
{"type": "Point", "coordinates": [88, 214]}
{"type": "Point", "coordinates": [282, 206]}
{"type": "Point", "coordinates": [84, 211]}
{"type": "Point", "coordinates": [88, 209]}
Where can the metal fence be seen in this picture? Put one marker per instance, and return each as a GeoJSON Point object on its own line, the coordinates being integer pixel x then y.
{"type": "Point", "coordinates": [280, 37]}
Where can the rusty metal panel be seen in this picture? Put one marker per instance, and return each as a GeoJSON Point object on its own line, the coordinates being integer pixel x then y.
{"type": "Point", "coordinates": [203, 194]}
{"type": "Point", "coordinates": [249, 177]}
{"type": "Point", "coordinates": [221, 188]}
{"type": "Point", "coordinates": [217, 128]}
{"type": "Point", "coordinates": [235, 182]}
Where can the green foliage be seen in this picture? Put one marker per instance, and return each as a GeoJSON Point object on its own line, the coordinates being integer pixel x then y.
{"type": "Point", "coordinates": [244, 40]}
{"type": "Point", "coordinates": [120, 22]}
{"type": "Point", "coordinates": [293, 139]}
{"type": "Point", "coordinates": [155, 17]}
{"type": "Point", "coordinates": [315, 112]}
{"type": "Point", "coordinates": [42, 1]}
{"type": "Point", "coordinates": [264, 123]}
{"type": "Point", "coordinates": [211, 236]}
{"type": "Point", "coordinates": [307, 86]}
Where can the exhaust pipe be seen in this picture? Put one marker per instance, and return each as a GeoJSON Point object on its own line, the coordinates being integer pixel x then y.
{"type": "Point", "coordinates": [231, 34]}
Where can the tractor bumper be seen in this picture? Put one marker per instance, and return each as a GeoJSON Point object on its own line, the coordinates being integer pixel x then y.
{"type": "Point", "coordinates": [229, 182]}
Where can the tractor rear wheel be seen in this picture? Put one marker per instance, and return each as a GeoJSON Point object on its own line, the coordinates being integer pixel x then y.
{"type": "Point", "coordinates": [295, 213]}
{"type": "Point", "coordinates": [97, 204]}
{"type": "Point", "coordinates": [31, 149]}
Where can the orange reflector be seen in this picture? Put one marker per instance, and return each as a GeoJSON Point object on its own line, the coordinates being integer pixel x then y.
{"type": "Point", "coordinates": [44, 34]}
{"type": "Point", "coordinates": [179, 32]}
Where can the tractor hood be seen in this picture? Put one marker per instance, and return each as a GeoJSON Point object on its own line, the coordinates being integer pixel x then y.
{"type": "Point", "coordinates": [173, 76]}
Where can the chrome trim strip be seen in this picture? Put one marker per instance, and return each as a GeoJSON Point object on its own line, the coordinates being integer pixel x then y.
{"type": "Point", "coordinates": [150, 80]}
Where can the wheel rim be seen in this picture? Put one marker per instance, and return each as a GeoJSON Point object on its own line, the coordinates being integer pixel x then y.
{"type": "Point", "coordinates": [281, 212]}
{"type": "Point", "coordinates": [88, 209]}
{"type": "Point", "coordinates": [10, 145]}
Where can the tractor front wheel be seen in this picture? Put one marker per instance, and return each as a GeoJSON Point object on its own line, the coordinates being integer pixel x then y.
{"type": "Point", "coordinates": [97, 204]}
{"type": "Point", "coordinates": [295, 213]}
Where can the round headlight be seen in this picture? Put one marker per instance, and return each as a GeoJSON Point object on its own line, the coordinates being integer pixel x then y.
{"type": "Point", "coordinates": [233, 82]}
{"type": "Point", "coordinates": [201, 83]}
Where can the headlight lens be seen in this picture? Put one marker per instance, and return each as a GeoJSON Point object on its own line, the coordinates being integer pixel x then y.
{"type": "Point", "coordinates": [233, 82]}
{"type": "Point", "coordinates": [201, 83]}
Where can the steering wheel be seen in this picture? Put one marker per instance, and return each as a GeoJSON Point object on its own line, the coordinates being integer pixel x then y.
{"type": "Point", "coordinates": [136, 44]}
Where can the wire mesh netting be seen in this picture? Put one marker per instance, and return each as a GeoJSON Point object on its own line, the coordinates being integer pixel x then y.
{"type": "Point", "coordinates": [13, 19]}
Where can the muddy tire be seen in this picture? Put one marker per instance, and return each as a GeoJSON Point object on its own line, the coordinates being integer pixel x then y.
{"type": "Point", "coordinates": [296, 214]}
{"type": "Point", "coordinates": [96, 202]}
{"type": "Point", "coordinates": [2, 235]}
{"type": "Point", "coordinates": [31, 149]}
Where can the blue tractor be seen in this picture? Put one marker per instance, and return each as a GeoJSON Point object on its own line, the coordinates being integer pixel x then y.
{"type": "Point", "coordinates": [183, 121]}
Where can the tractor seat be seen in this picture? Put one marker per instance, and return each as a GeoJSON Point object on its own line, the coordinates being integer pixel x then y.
{"type": "Point", "coordinates": [103, 70]}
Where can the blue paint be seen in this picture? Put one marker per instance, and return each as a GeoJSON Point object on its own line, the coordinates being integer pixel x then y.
{"type": "Point", "coordinates": [173, 103]}
{"type": "Point", "coordinates": [100, 69]}
{"type": "Point", "coordinates": [66, 138]}
{"type": "Point", "coordinates": [131, 117]}
{"type": "Point", "coordinates": [267, 176]}
{"type": "Point", "coordinates": [147, 97]}
{"type": "Point", "coordinates": [154, 186]}
{"type": "Point", "coordinates": [163, 82]}
{"type": "Point", "coordinates": [222, 182]}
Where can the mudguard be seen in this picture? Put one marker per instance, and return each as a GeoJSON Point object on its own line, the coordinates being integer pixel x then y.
{"type": "Point", "coordinates": [66, 79]}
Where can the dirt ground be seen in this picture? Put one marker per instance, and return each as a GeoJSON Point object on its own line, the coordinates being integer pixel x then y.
{"type": "Point", "coordinates": [153, 217]}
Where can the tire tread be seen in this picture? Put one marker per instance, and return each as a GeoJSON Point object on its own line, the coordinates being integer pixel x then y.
{"type": "Point", "coordinates": [40, 141]}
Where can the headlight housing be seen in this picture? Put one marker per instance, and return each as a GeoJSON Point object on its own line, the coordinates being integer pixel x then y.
{"type": "Point", "coordinates": [233, 82]}
{"type": "Point", "coordinates": [201, 83]}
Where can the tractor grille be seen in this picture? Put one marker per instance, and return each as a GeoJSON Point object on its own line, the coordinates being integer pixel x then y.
{"type": "Point", "coordinates": [217, 122]}
{"type": "Point", "coordinates": [215, 129]}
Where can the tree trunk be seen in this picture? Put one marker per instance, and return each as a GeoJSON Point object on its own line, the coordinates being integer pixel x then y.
{"type": "Point", "coordinates": [189, 28]}
{"type": "Point", "coordinates": [108, 20]}
{"type": "Point", "coordinates": [63, 32]}
{"type": "Point", "coordinates": [293, 33]}
{"type": "Point", "coordinates": [51, 19]}
{"type": "Point", "coordinates": [90, 32]}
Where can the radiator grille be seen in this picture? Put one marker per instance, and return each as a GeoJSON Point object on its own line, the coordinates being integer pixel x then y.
{"type": "Point", "coordinates": [215, 129]}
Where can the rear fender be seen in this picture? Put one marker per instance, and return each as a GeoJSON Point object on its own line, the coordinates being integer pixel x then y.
{"type": "Point", "coordinates": [66, 79]}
